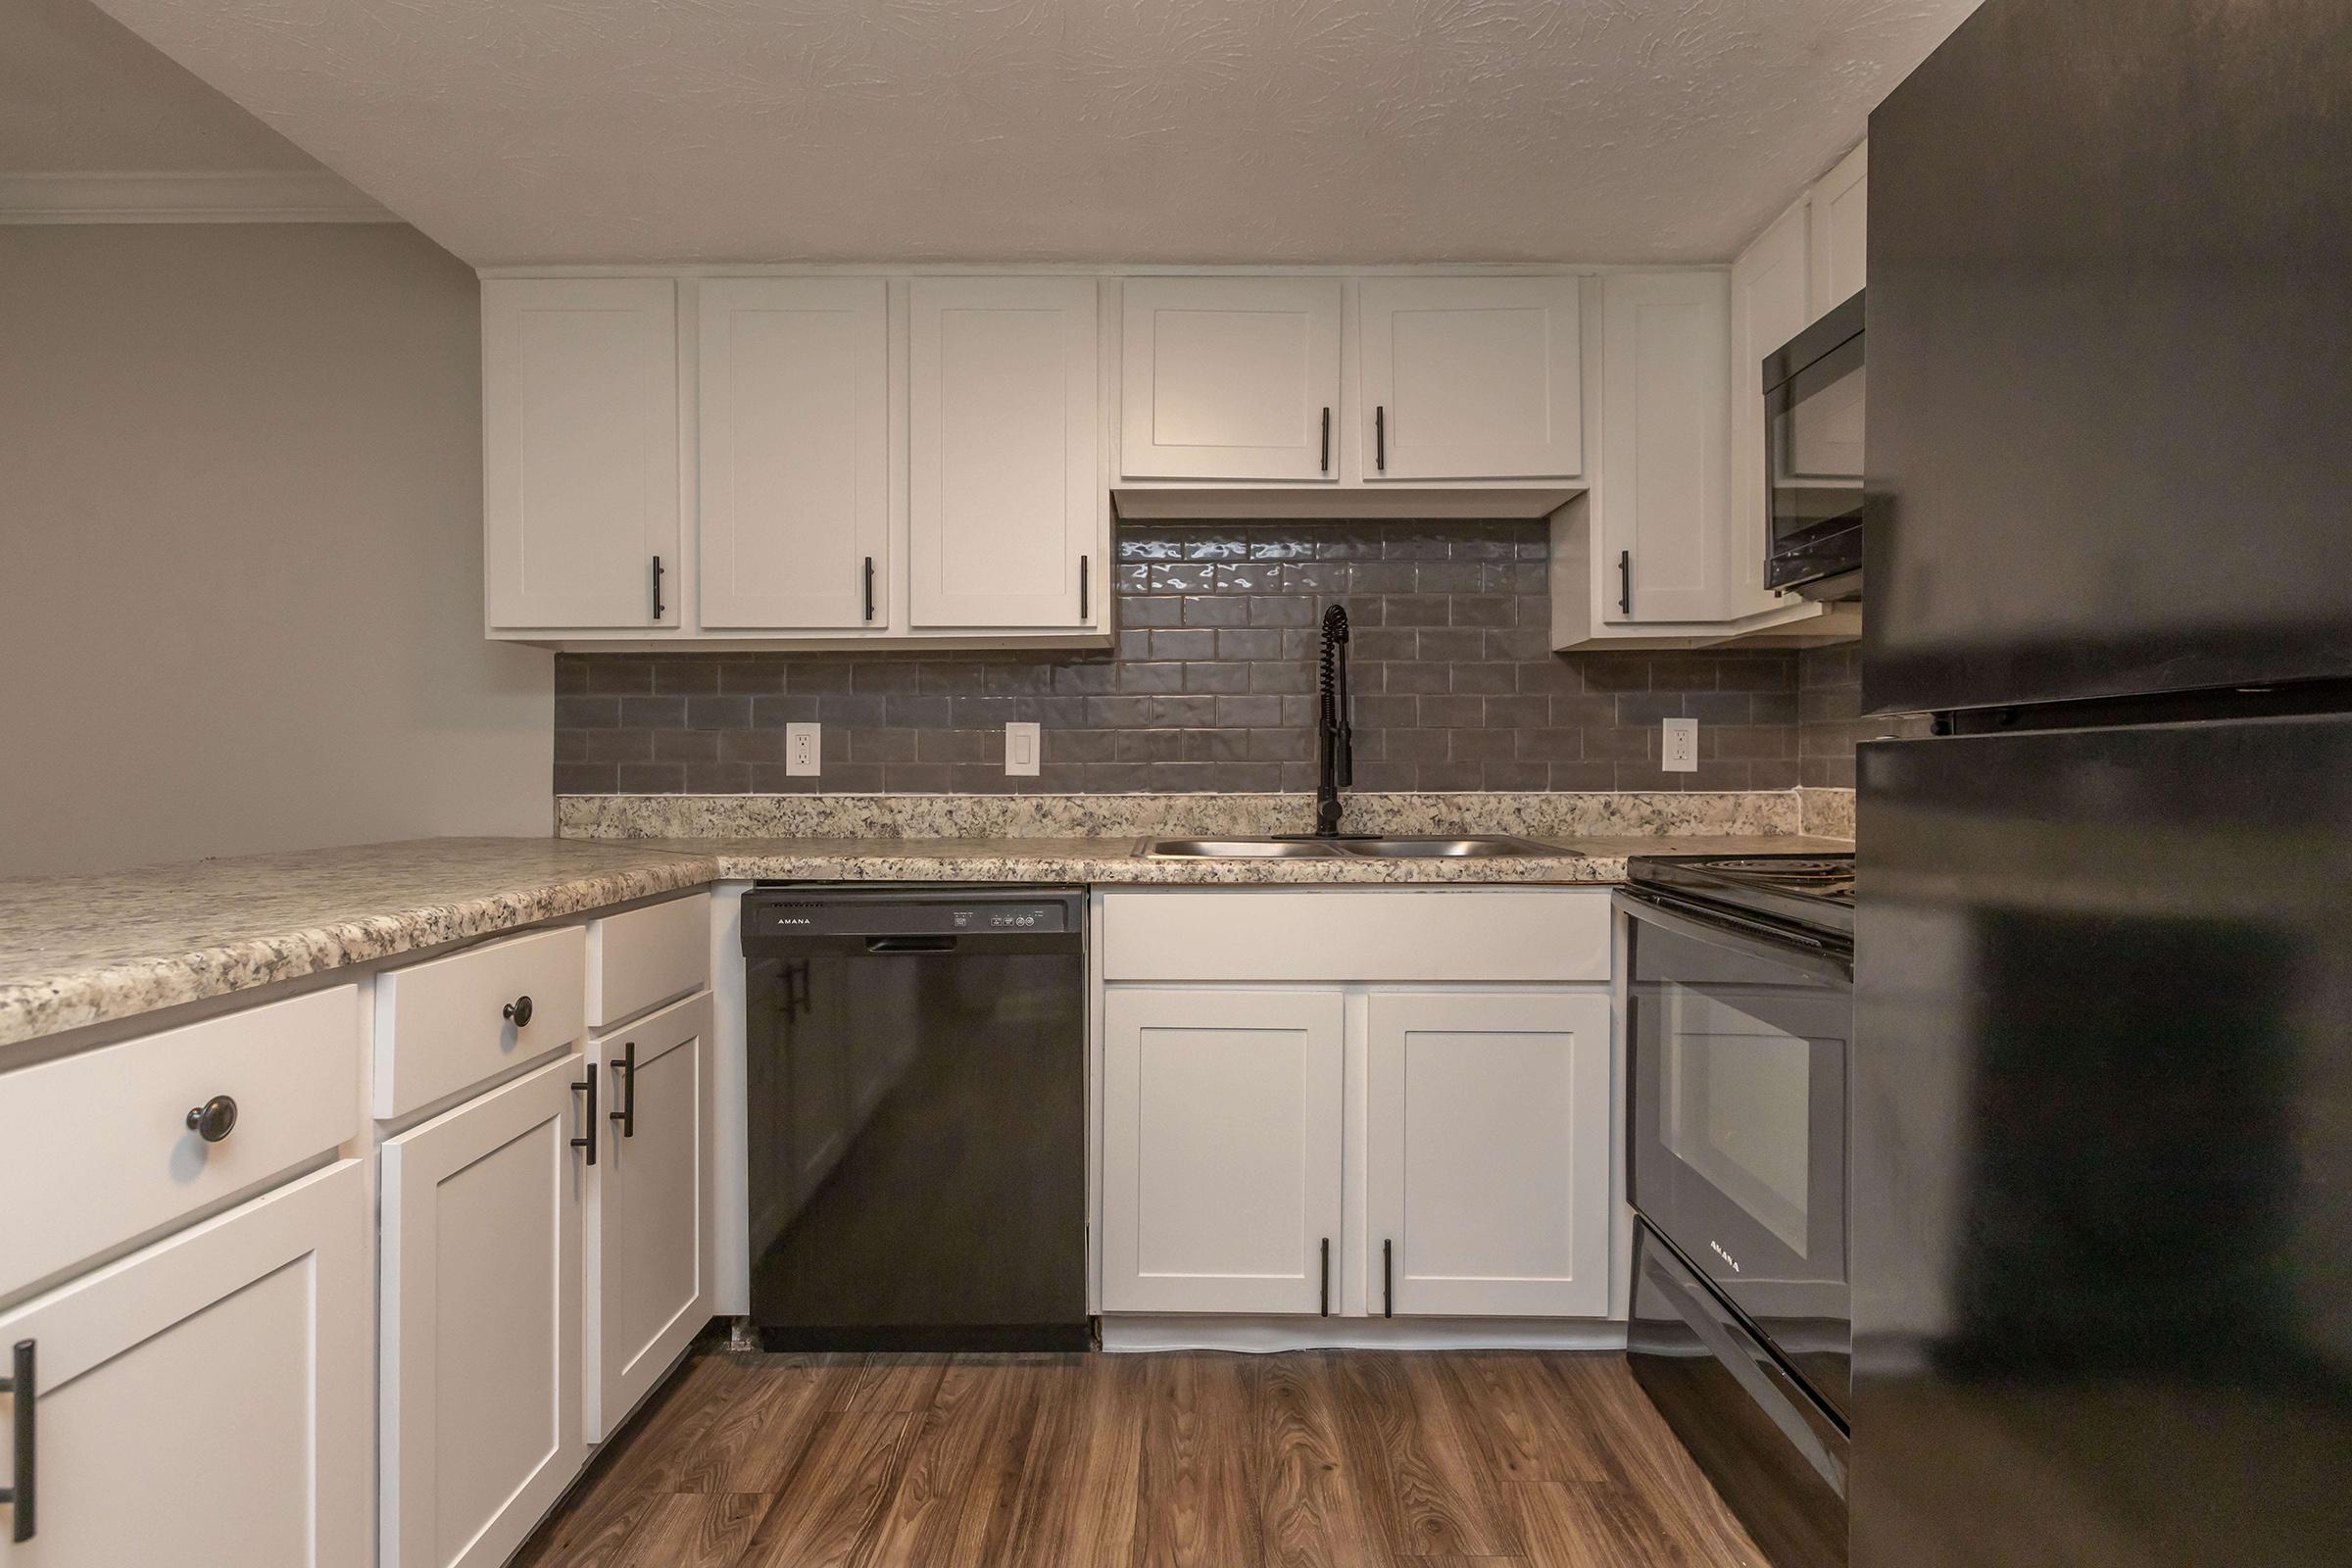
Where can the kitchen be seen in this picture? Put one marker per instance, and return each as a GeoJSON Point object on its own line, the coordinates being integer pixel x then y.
{"type": "Point", "coordinates": [1092, 783]}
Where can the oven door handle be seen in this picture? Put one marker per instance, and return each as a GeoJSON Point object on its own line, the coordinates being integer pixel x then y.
{"type": "Point", "coordinates": [1721, 931]}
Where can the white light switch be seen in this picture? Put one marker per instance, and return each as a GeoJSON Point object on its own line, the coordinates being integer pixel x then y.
{"type": "Point", "coordinates": [803, 750]}
{"type": "Point", "coordinates": [1678, 751]}
{"type": "Point", "coordinates": [1021, 745]}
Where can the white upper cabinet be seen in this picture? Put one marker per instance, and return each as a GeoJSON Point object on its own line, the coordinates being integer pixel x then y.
{"type": "Point", "coordinates": [580, 453]}
{"type": "Point", "coordinates": [1230, 378]}
{"type": "Point", "coordinates": [1839, 213]}
{"type": "Point", "coordinates": [795, 475]}
{"type": "Point", "coordinates": [1489, 1154]}
{"type": "Point", "coordinates": [1005, 497]}
{"type": "Point", "coordinates": [1471, 378]}
{"type": "Point", "coordinates": [1660, 494]}
{"type": "Point", "coordinates": [1770, 288]}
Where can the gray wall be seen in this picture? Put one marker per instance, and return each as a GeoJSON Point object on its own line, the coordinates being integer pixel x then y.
{"type": "Point", "coordinates": [240, 599]}
{"type": "Point", "coordinates": [1454, 685]}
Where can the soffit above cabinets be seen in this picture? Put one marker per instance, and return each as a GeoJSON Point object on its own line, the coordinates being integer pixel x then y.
{"type": "Point", "coordinates": [1254, 131]}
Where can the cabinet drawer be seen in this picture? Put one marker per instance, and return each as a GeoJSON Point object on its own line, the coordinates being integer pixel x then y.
{"type": "Point", "coordinates": [1435, 934]}
{"type": "Point", "coordinates": [95, 1149]}
{"type": "Point", "coordinates": [642, 957]}
{"type": "Point", "coordinates": [445, 1026]}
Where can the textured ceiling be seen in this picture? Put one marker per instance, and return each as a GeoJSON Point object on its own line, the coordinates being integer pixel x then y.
{"type": "Point", "coordinates": [1093, 130]}
{"type": "Point", "coordinates": [79, 93]}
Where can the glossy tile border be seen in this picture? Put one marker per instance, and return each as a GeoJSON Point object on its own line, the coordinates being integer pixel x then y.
{"type": "Point", "coordinates": [1540, 814]}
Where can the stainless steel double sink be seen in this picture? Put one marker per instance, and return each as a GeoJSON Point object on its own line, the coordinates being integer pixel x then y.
{"type": "Point", "coordinates": [1344, 849]}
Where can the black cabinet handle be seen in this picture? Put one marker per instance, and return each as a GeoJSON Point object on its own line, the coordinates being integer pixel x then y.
{"type": "Point", "coordinates": [656, 588]}
{"type": "Point", "coordinates": [870, 587]}
{"type": "Point", "coordinates": [517, 1013]}
{"type": "Point", "coordinates": [1085, 579]}
{"type": "Point", "coordinates": [1326, 469]}
{"type": "Point", "coordinates": [1380, 439]}
{"type": "Point", "coordinates": [19, 1494]}
{"type": "Point", "coordinates": [588, 1123]}
{"type": "Point", "coordinates": [625, 1065]}
{"type": "Point", "coordinates": [214, 1119]}
{"type": "Point", "coordinates": [1327, 1276]}
{"type": "Point", "coordinates": [1625, 582]}
{"type": "Point", "coordinates": [1388, 1293]}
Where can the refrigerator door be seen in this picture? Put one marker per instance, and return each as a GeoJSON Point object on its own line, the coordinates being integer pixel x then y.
{"type": "Point", "coordinates": [2102, 1149]}
{"type": "Point", "coordinates": [2111, 355]}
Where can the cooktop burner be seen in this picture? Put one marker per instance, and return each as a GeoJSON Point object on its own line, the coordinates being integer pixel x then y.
{"type": "Point", "coordinates": [1808, 889]}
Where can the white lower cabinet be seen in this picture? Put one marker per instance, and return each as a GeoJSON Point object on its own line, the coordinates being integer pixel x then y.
{"type": "Point", "coordinates": [482, 1319]}
{"type": "Point", "coordinates": [649, 1207]}
{"type": "Point", "coordinates": [1489, 1154]}
{"type": "Point", "coordinates": [204, 1402]}
{"type": "Point", "coordinates": [1221, 1149]}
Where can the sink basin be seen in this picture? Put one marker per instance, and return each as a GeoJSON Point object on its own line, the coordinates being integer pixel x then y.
{"type": "Point", "coordinates": [1396, 848]}
{"type": "Point", "coordinates": [1245, 850]}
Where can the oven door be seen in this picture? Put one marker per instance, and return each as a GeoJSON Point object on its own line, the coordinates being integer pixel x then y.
{"type": "Point", "coordinates": [1736, 1035]}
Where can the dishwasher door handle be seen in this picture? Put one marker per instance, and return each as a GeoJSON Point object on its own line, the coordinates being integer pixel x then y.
{"type": "Point", "coordinates": [911, 944]}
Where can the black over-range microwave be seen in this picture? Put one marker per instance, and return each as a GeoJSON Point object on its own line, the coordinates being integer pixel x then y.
{"type": "Point", "coordinates": [1813, 459]}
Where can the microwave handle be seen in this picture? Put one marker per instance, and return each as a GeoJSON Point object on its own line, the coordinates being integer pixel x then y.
{"type": "Point", "coordinates": [1740, 937]}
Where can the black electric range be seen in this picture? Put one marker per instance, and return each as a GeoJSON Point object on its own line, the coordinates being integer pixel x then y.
{"type": "Point", "coordinates": [1739, 1017]}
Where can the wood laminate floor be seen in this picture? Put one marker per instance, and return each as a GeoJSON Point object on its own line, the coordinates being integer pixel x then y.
{"type": "Point", "coordinates": [1311, 1459]}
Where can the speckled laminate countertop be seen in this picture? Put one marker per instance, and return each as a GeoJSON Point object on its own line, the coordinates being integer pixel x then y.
{"type": "Point", "coordinates": [76, 950]}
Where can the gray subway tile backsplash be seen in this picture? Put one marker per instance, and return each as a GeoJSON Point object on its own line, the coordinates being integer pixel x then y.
{"type": "Point", "coordinates": [1211, 688]}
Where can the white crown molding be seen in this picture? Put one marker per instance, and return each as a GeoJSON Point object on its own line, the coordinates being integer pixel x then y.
{"type": "Point", "coordinates": [242, 196]}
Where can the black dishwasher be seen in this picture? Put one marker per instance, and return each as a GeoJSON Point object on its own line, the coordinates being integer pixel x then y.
{"type": "Point", "coordinates": [916, 1116]}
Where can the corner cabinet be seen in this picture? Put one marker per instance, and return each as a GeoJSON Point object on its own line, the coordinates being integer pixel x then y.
{"type": "Point", "coordinates": [1006, 496]}
{"type": "Point", "coordinates": [580, 453]}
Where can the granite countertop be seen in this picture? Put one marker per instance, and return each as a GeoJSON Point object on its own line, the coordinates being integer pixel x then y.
{"type": "Point", "coordinates": [76, 950]}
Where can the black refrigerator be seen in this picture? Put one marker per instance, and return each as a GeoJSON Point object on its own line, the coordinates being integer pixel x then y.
{"type": "Point", "coordinates": [2102, 1083]}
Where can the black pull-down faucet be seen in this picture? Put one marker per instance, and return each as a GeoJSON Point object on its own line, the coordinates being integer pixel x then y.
{"type": "Point", "coordinates": [1334, 765]}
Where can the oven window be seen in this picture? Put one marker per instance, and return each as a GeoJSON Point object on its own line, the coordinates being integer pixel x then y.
{"type": "Point", "coordinates": [1739, 1106]}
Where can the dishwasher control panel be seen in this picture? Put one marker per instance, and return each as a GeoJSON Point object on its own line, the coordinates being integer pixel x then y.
{"type": "Point", "coordinates": [784, 913]}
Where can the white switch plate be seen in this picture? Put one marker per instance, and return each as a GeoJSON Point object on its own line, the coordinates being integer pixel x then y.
{"type": "Point", "coordinates": [1021, 746]}
{"type": "Point", "coordinates": [803, 750]}
{"type": "Point", "coordinates": [1678, 751]}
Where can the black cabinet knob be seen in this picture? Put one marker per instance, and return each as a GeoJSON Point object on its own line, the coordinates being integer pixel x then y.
{"type": "Point", "coordinates": [518, 1011]}
{"type": "Point", "coordinates": [214, 1119]}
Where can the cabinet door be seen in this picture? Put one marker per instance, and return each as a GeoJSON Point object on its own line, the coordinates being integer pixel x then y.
{"type": "Point", "coordinates": [1006, 499]}
{"type": "Point", "coordinates": [1489, 1154]}
{"type": "Point", "coordinates": [580, 451]}
{"type": "Point", "coordinates": [1841, 218]}
{"type": "Point", "coordinates": [1221, 1149]}
{"type": "Point", "coordinates": [1230, 378]}
{"type": "Point", "coordinates": [1665, 421]}
{"type": "Point", "coordinates": [795, 420]}
{"type": "Point", "coordinates": [649, 1207]}
{"type": "Point", "coordinates": [481, 1291]}
{"type": "Point", "coordinates": [1471, 378]}
{"type": "Point", "coordinates": [205, 1402]}
{"type": "Point", "coordinates": [1769, 290]}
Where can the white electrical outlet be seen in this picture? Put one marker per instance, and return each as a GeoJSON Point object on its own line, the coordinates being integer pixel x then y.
{"type": "Point", "coordinates": [1021, 746]}
{"type": "Point", "coordinates": [803, 750]}
{"type": "Point", "coordinates": [1678, 751]}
